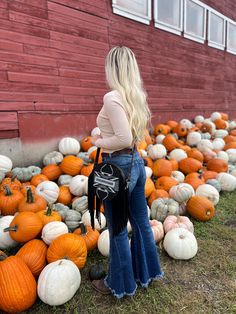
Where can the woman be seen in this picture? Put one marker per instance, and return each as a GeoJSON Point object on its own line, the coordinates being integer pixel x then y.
{"type": "Point", "coordinates": [122, 121]}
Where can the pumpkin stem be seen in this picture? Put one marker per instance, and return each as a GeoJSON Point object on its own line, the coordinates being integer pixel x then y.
{"type": "Point", "coordinates": [13, 228]}
{"type": "Point", "coordinates": [3, 256]}
{"type": "Point", "coordinates": [83, 228]}
{"type": "Point", "coordinates": [8, 192]}
{"type": "Point", "coordinates": [49, 210]}
{"type": "Point", "coordinates": [30, 197]}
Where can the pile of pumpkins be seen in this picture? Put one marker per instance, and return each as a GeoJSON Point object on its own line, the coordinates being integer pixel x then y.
{"type": "Point", "coordinates": [44, 210]}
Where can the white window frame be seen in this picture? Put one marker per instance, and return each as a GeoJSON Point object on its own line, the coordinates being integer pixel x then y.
{"type": "Point", "coordinates": [212, 43]}
{"type": "Point", "coordinates": [166, 26]}
{"type": "Point", "coordinates": [231, 50]}
{"type": "Point", "coordinates": [132, 14]}
{"type": "Point", "coordinates": [200, 39]}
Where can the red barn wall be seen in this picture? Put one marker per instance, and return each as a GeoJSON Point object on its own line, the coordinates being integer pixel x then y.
{"type": "Point", "coordinates": [52, 70]}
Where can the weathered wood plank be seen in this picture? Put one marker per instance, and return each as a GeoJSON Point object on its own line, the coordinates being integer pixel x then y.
{"type": "Point", "coordinates": [8, 121]}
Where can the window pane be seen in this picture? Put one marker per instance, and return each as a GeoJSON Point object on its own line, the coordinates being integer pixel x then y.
{"type": "Point", "coordinates": [169, 11]}
{"type": "Point", "coordinates": [217, 29]}
{"type": "Point", "coordinates": [232, 36]}
{"type": "Point", "coordinates": [136, 6]}
{"type": "Point", "coordinates": [195, 19]}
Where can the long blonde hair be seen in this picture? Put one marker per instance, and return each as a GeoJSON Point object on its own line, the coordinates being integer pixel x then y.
{"type": "Point", "coordinates": [122, 74]}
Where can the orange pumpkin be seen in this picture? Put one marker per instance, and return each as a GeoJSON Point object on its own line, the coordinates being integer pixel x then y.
{"type": "Point", "coordinates": [188, 165]}
{"type": "Point", "coordinates": [89, 235]}
{"type": "Point", "coordinates": [33, 253]}
{"type": "Point", "coordinates": [200, 208]}
{"type": "Point", "coordinates": [93, 154]}
{"type": "Point", "coordinates": [52, 172]}
{"type": "Point", "coordinates": [170, 143]}
{"type": "Point", "coordinates": [13, 183]}
{"type": "Point", "coordinates": [9, 201]}
{"type": "Point", "coordinates": [65, 196]}
{"type": "Point", "coordinates": [157, 193]}
{"type": "Point", "coordinates": [18, 286]}
{"type": "Point", "coordinates": [48, 215]}
{"type": "Point", "coordinates": [86, 143]}
{"type": "Point", "coordinates": [195, 154]}
{"type": "Point", "coordinates": [69, 246]}
{"type": "Point", "coordinates": [194, 182]}
{"type": "Point", "coordinates": [229, 138]}
{"type": "Point", "coordinates": [217, 165]}
{"type": "Point", "coordinates": [224, 116]}
{"type": "Point", "coordinates": [161, 129]}
{"type": "Point", "coordinates": [149, 187]}
{"type": "Point", "coordinates": [220, 124]}
{"type": "Point", "coordinates": [38, 178]}
{"type": "Point", "coordinates": [165, 183]}
{"type": "Point", "coordinates": [180, 130]}
{"type": "Point", "coordinates": [32, 203]}
{"type": "Point", "coordinates": [162, 167]}
{"type": "Point", "coordinates": [207, 175]}
{"type": "Point", "coordinates": [87, 169]}
{"type": "Point", "coordinates": [147, 137]}
{"type": "Point", "coordinates": [24, 227]}
{"type": "Point", "coordinates": [71, 165]}
{"type": "Point", "coordinates": [148, 162]}
{"type": "Point", "coordinates": [172, 124]}
{"type": "Point", "coordinates": [25, 186]}
{"type": "Point", "coordinates": [230, 145]}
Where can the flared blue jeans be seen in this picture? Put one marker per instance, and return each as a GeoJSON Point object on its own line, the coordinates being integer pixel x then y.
{"type": "Point", "coordinates": [136, 262]}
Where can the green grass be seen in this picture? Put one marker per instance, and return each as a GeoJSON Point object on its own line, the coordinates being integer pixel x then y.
{"type": "Point", "coordinates": [205, 284]}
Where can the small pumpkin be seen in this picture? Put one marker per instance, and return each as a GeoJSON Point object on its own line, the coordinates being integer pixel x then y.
{"type": "Point", "coordinates": [87, 220]}
{"type": "Point", "coordinates": [65, 196]}
{"type": "Point", "coordinates": [33, 253]}
{"type": "Point", "coordinates": [48, 215]}
{"type": "Point", "coordinates": [5, 164]}
{"type": "Point", "coordinates": [24, 227]}
{"type": "Point", "coordinates": [52, 230]}
{"type": "Point", "coordinates": [6, 242]}
{"type": "Point", "coordinates": [71, 165]}
{"type": "Point", "coordinates": [200, 208]}
{"type": "Point", "coordinates": [165, 183]}
{"type": "Point", "coordinates": [80, 204]}
{"type": "Point", "coordinates": [181, 192]}
{"type": "Point", "coordinates": [25, 173]}
{"type": "Point", "coordinates": [69, 146]}
{"type": "Point", "coordinates": [188, 165]}
{"type": "Point", "coordinates": [64, 179]}
{"type": "Point", "coordinates": [52, 158]}
{"type": "Point", "coordinates": [68, 246]}
{"type": "Point", "coordinates": [157, 193]}
{"type": "Point", "coordinates": [79, 185]}
{"type": "Point", "coordinates": [90, 236]}
{"type": "Point", "coordinates": [72, 219]}
{"type": "Point", "coordinates": [104, 243]}
{"type": "Point", "coordinates": [162, 207]}
{"type": "Point", "coordinates": [61, 209]}
{"type": "Point", "coordinates": [52, 172]}
{"type": "Point", "coordinates": [157, 230]}
{"type": "Point", "coordinates": [149, 187]}
{"type": "Point", "coordinates": [49, 190]}
{"type": "Point", "coordinates": [9, 201]}
{"type": "Point", "coordinates": [162, 167]}
{"type": "Point", "coordinates": [172, 222]}
{"type": "Point", "coordinates": [32, 202]}
{"type": "Point", "coordinates": [86, 143]}
{"type": "Point", "coordinates": [97, 271]}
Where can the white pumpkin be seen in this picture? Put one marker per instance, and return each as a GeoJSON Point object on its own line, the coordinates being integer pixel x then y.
{"type": "Point", "coordinates": [172, 222]}
{"type": "Point", "coordinates": [231, 152]}
{"type": "Point", "coordinates": [64, 179]}
{"type": "Point", "coordinates": [205, 136]}
{"type": "Point", "coordinates": [209, 192]}
{"type": "Point", "coordinates": [160, 138]}
{"type": "Point", "coordinates": [227, 181]}
{"type": "Point", "coordinates": [162, 207]}
{"type": "Point", "coordinates": [49, 190]}
{"type": "Point", "coordinates": [215, 116]}
{"type": "Point", "coordinates": [215, 183]}
{"type": "Point", "coordinates": [222, 155]}
{"type": "Point", "coordinates": [6, 241]}
{"type": "Point", "coordinates": [157, 230]}
{"type": "Point", "coordinates": [148, 171]}
{"type": "Point", "coordinates": [156, 151]}
{"type": "Point", "coordinates": [95, 131]}
{"type": "Point", "coordinates": [209, 123]}
{"type": "Point", "coordinates": [5, 164]}
{"type": "Point", "coordinates": [104, 243]}
{"type": "Point", "coordinates": [52, 158]}
{"type": "Point", "coordinates": [181, 192]}
{"type": "Point", "coordinates": [199, 118]}
{"type": "Point", "coordinates": [232, 125]}
{"type": "Point", "coordinates": [78, 185]}
{"type": "Point", "coordinates": [193, 138]}
{"type": "Point", "coordinates": [178, 154]}
{"type": "Point", "coordinates": [58, 282]}
{"type": "Point", "coordinates": [220, 133]}
{"type": "Point", "coordinates": [178, 176]}
{"type": "Point", "coordinates": [180, 243]}
{"type": "Point", "coordinates": [87, 220]}
{"type": "Point", "coordinates": [218, 143]}
{"type": "Point", "coordinates": [204, 145]}
{"type": "Point", "coordinates": [69, 146]}
{"type": "Point", "coordinates": [91, 149]}
{"type": "Point", "coordinates": [187, 123]}
{"type": "Point", "coordinates": [52, 230]}
{"type": "Point", "coordinates": [143, 153]}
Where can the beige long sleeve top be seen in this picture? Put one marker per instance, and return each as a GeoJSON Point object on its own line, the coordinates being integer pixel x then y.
{"type": "Point", "coordinates": [113, 124]}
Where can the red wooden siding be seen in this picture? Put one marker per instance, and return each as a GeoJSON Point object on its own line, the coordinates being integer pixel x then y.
{"type": "Point", "coordinates": [52, 67]}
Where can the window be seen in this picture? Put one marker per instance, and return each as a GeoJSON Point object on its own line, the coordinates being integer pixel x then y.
{"type": "Point", "coordinates": [168, 15]}
{"type": "Point", "coordinates": [216, 30]}
{"type": "Point", "coordinates": [139, 10]}
{"type": "Point", "coordinates": [195, 20]}
{"type": "Point", "coordinates": [231, 36]}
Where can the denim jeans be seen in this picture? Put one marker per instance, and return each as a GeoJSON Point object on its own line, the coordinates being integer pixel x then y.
{"type": "Point", "coordinates": [138, 261]}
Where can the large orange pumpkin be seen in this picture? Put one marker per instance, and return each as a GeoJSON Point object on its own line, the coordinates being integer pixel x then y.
{"type": "Point", "coordinates": [217, 165]}
{"type": "Point", "coordinates": [52, 172]}
{"type": "Point", "coordinates": [38, 178]}
{"type": "Point", "coordinates": [170, 143]}
{"type": "Point", "coordinates": [162, 167]}
{"type": "Point", "coordinates": [195, 154]}
{"type": "Point", "coordinates": [9, 201]}
{"type": "Point", "coordinates": [188, 165]}
{"type": "Point", "coordinates": [18, 286]}
{"type": "Point", "coordinates": [200, 208]}
{"type": "Point", "coordinates": [71, 165]}
{"type": "Point", "coordinates": [69, 246]}
{"type": "Point", "coordinates": [165, 183]}
{"type": "Point", "coordinates": [89, 235]}
{"type": "Point", "coordinates": [32, 203]}
{"type": "Point", "coordinates": [33, 253]}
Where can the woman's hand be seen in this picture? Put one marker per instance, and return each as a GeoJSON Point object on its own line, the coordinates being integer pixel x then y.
{"type": "Point", "coordinates": [95, 137]}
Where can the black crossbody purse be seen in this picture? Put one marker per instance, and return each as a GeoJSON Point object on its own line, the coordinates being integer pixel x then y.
{"type": "Point", "coordinates": [108, 182]}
